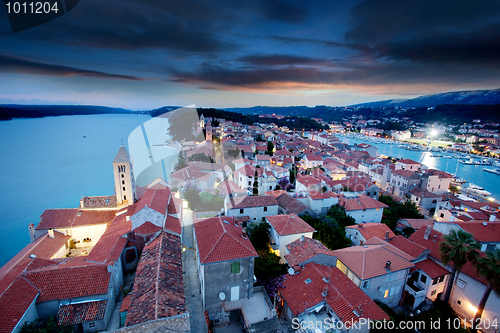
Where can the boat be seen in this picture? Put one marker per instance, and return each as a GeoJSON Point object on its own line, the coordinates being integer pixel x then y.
{"type": "Point", "coordinates": [478, 189]}
{"type": "Point", "coordinates": [495, 171]}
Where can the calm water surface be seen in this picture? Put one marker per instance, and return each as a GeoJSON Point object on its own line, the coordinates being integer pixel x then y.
{"type": "Point", "coordinates": [47, 163]}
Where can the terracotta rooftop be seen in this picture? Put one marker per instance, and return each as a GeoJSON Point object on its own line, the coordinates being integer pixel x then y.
{"type": "Point", "coordinates": [14, 302]}
{"type": "Point", "coordinates": [431, 268]}
{"type": "Point", "coordinates": [253, 201]}
{"type": "Point", "coordinates": [432, 244]}
{"type": "Point", "coordinates": [420, 193]}
{"type": "Point", "coordinates": [219, 239]}
{"type": "Point", "coordinates": [111, 243]}
{"type": "Point", "coordinates": [173, 224]}
{"type": "Point", "coordinates": [147, 228]}
{"type": "Point", "coordinates": [302, 250]}
{"type": "Point", "coordinates": [159, 287]}
{"type": "Point", "coordinates": [91, 217]}
{"type": "Point", "coordinates": [369, 230]}
{"type": "Point", "coordinates": [408, 161]}
{"type": "Point", "coordinates": [307, 180]}
{"type": "Point", "coordinates": [406, 245]}
{"type": "Point", "coordinates": [156, 198]}
{"type": "Point", "coordinates": [368, 261]}
{"type": "Point", "coordinates": [343, 296]}
{"type": "Point", "coordinates": [403, 173]}
{"type": "Point", "coordinates": [361, 202]}
{"type": "Point", "coordinates": [72, 314]}
{"type": "Point", "coordinates": [483, 231]}
{"type": "Point", "coordinates": [54, 283]}
{"type": "Point", "coordinates": [57, 218]}
{"type": "Point", "coordinates": [290, 204]}
{"type": "Point", "coordinates": [418, 223]}
{"type": "Point", "coordinates": [289, 224]}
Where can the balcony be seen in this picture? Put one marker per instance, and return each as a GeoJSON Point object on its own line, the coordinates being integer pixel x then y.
{"type": "Point", "coordinates": [414, 289]}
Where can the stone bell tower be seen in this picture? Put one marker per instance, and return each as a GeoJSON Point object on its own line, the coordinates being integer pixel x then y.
{"type": "Point", "coordinates": [124, 178]}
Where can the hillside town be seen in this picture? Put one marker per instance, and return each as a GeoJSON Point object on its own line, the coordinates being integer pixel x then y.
{"type": "Point", "coordinates": [260, 228]}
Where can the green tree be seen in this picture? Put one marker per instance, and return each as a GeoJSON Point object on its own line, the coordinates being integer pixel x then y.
{"type": "Point", "coordinates": [453, 189]}
{"type": "Point", "coordinates": [270, 148]}
{"type": "Point", "coordinates": [192, 196]}
{"type": "Point", "coordinates": [47, 326]}
{"type": "Point", "coordinates": [457, 248]}
{"type": "Point", "coordinates": [268, 266]}
{"type": "Point", "coordinates": [255, 184]}
{"type": "Point", "coordinates": [340, 215]}
{"type": "Point", "coordinates": [259, 236]}
{"type": "Point", "coordinates": [489, 267]}
{"type": "Point", "coordinates": [181, 162]}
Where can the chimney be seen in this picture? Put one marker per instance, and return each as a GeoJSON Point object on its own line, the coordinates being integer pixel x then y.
{"type": "Point", "coordinates": [427, 232]}
{"type": "Point", "coordinates": [386, 235]}
{"type": "Point", "coordinates": [244, 233]}
{"type": "Point", "coordinates": [51, 233]}
{"type": "Point", "coordinates": [434, 239]}
{"type": "Point", "coordinates": [388, 265]}
{"type": "Point", "coordinates": [492, 218]}
{"type": "Point", "coordinates": [31, 228]}
{"type": "Point", "coordinates": [361, 225]}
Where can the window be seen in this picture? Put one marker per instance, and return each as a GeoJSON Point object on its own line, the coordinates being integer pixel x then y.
{"type": "Point", "coordinates": [235, 267]}
{"type": "Point", "coordinates": [123, 176]}
{"type": "Point", "coordinates": [249, 183]}
{"type": "Point", "coordinates": [307, 281]}
{"type": "Point", "coordinates": [435, 281]}
{"type": "Point", "coordinates": [263, 219]}
{"type": "Point", "coordinates": [461, 284]}
{"type": "Point", "coordinates": [123, 182]}
{"type": "Point", "coordinates": [441, 279]}
{"type": "Point", "coordinates": [124, 197]}
{"type": "Point", "coordinates": [92, 325]}
{"type": "Point", "coordinates": [265, 209]}
{"type": "Point", "coordinates": [124, 188]}
{"type": "Point", "coordinates": [442, 215]}
{"type": "Point", "coordinates": [423, 278]}
{"type": "Point", "coordinates": [433, 293]}
{"type": "Point", "coordinates": [439, 187]}
{"type": "Point", "coordinates": [241, 211]}
{"type": "Point", "coordinates": [386, 293]}
{"type": "Point", "coordinates": [366, 284]}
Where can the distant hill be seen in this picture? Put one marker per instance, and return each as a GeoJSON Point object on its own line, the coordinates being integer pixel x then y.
{"type": "Point", "coordinates": [468, 97]}
{"type": "Point", "coordinates": [10, 111]}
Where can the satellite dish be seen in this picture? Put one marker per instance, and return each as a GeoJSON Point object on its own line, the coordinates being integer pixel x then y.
{"type": "Point", "coordinates": [222, 296]}
{"type": "Point", "coordinates": [291, 271]}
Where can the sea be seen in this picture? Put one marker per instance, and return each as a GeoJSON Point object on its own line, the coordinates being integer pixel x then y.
{"type": "Point", "coordinates": [470, 173]}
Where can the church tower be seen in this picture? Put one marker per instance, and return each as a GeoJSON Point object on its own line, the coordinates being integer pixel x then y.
{"type": "Point", "coordinates": [124, 178]}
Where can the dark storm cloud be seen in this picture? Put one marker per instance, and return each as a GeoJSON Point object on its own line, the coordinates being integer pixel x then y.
{"type": "Point", "coordinates": [443, 31]}
{"type": "Point", "coordinates": [326, 43]}
{"type": "Point", "coordinates": [283, 11]}
{"type": "Point", "coordinates": [282, 60]}
{"type": "Point", "coordinates": [18, 65]}
{"type": "Point", "coordinates": [213, 77]}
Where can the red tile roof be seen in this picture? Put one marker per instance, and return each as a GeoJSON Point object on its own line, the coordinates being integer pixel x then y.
{"type": "Point", "coordinates": [470, 270]}
{"type": "Point", "coordinates": [290, 204]}
{"type": "Point", "coordinates": [431, 268]}
{"type": "Point", "coordinates": [147, 228]}
{"type": "Point", "coordinates": [91, 217]}
{"type": "Point", "coordinates": [253, 201]}
{"type": "Point", "coordinates": [156, 198]}
{"type": "Point", "coordinates": [403, 173]}
{"type": "Point", "coordinates": [418, 223]}
{"type": "Point", "coordinates": [289, 224]}
{"type": "Point", "coordinates": [57, 218]}
{"type": "Point", "coordinates": [408, 161]}
{"type": "Point", "coordinates": [58, 284]}
{"type": "Point", "coordinates": [481, 232]}
{"type": "Point", "coordinates": [368, 261]}
{"type": "Point", "coordinates": [361, 202]}
{"type": "Point", "coordinates": [111, 242]}
{"type": "Point", "coordinates": [369, 230]}
{"type": "Point", "coordinates": [308, 180]}
{"type": "Point", "coordinates": [173, 224]}
{"type": "Point", "coordinates": [406, 245]}
{"type": "Point", "coordinates": [14, 302]}
{"type": "Point", "coordinates": [302, 250]}
{"type": "Point", "coordinates": [432, 244]}
{"type": "Point", "coordinates": [72, 314]}
{"type": "Point", "coordinates": [43, 247]}
{"type": "Point", "coordinates": [221, 241]}
{"type": "Point", "coordinates": [158, 288]}
{"type": "Point", "coordinates": [343, 296]}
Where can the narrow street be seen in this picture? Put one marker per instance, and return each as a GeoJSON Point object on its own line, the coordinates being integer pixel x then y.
{"type": "Point", "coordinates": [190, 272]}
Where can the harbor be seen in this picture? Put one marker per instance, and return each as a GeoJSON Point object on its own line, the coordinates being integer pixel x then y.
{"type": "Point", "coordinates": [467, 168]}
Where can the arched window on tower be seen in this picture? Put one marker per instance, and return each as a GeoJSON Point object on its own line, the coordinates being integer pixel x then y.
{"type": "Point", "coordinates": [123, 168]}
{"type": "Point", "coordinates": [123, 176]}
{"type": "Point", "coordinates": [123, 182]}
{"type": "Point", "coordinates": [124, 188]}
{"type": "Point", "coordinates": [119, 169]}
{"type": "Point", "coordinates": [124, 197]}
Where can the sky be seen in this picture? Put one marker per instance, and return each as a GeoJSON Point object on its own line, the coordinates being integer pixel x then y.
{"type": "Point", "coordinates": [144, 54]}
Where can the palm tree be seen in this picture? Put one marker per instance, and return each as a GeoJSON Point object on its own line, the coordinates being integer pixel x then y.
{"type": "Point", "coordinates": [489, 267]}
{"type": "Point", "coordinates": [458, 247]}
